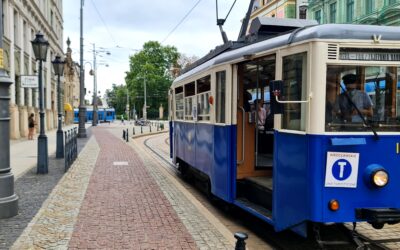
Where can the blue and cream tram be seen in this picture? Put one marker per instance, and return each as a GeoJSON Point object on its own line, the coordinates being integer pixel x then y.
{"type": "Point", "coordinates": [308, 163]}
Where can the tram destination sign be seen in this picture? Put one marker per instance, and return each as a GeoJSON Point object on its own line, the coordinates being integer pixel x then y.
{"type": "Point", "coordinates": [370, 55]}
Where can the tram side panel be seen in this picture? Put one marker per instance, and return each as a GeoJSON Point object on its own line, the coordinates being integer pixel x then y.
{"type": "Point", "coordinates": [207, 148]}
{"type": "Point", "coordinates": [224, 162]}
{"type": "Point", "coordinates": [291, 182]}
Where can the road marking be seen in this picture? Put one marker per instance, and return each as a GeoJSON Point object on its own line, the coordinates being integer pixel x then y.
{"type": "Point", "coordinates": [120, 163]}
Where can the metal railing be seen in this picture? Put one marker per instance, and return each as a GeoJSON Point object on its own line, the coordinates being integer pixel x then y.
{"type": "Point", "coordinates": [71, 147]}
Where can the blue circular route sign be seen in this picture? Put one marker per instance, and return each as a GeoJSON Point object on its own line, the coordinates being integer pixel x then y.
{"type": "Point", "coordinates": [341, 169]}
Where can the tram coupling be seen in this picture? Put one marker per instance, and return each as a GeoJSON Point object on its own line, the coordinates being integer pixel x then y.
{"type": "Point", "coordinates": [377, 217]}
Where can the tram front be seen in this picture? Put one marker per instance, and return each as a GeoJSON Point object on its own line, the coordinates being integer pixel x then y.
{"type": "Point", "coordinates": [362, 137]}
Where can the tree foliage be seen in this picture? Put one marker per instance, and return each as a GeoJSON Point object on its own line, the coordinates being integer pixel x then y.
{"type": "Point", "coordinates": [116, 98]}
{"type": "Point", "coordinates": [152, 66]}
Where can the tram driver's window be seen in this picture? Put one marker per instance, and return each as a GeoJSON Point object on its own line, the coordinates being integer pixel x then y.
{"type": "Point", "coordinates": [294, 77]}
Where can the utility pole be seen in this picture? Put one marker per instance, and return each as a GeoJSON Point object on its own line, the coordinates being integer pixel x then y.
{"type": "Point", "coordinates": [82, 108]}
{"type": "Point", "coordinates": [145, 102]}
{"type": "Point", "coordinates": [95, 120]}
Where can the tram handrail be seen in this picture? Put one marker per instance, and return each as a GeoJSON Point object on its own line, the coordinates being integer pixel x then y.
{"type": "Point", "coordinates": [243, 133]}
{"type": "Point", "coordinates": [279, 101]}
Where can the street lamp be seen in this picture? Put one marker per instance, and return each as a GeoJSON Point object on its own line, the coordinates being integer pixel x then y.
{"type": "Point", "coordinates": [8, 199]}
{"type": "Point", "coordinates": [58, 66]}
{"type": "Point", "coordinates": [40, 46]}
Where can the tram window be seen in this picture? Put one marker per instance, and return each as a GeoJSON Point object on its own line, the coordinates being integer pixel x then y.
{"type": "Point", "coordinates": [375, 92]}
{"type": "Point", "coordinates": [220, 98]}
{"type": "Point", "coordinates": [190, 92]}
{"type": "Point", "coordinates": [294, 84]}
{"type": "Point", "coordinates": [203, 94]}
{"type": "Point", "coordinates": [179, 108]}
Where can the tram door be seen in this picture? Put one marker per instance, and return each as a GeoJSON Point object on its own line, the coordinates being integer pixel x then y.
{"type": "Point", "coordinates": [254, 122]}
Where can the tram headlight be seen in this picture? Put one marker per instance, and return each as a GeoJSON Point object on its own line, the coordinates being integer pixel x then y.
{"type": "Point", "coordinates": [376, 176]}
{"type": "Point", "coordinates": [380, 178]}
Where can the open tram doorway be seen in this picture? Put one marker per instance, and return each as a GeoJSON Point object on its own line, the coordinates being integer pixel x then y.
{"type": "Point", "coordinates": [255, 132]}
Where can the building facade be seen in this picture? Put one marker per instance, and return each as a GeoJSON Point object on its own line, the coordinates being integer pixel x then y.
{"type": "Point", "coordinates": [377, 12]}
{"type": "Point", "coordinates": [22, 20]}
{"type": "Point", "coordinates": [274, 8]}
{"type": "Point", "coordinates": [71, 85]}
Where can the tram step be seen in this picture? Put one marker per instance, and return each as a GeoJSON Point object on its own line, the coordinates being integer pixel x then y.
{"type": "Point", "coordinates": [255, 192]}
{"type": "Point", "coordinates": [248, 205]}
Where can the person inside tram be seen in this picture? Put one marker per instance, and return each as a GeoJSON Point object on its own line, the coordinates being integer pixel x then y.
{"type": "Point", "coordinates": [246, 98]}
{"type": "Point", "coordinates": [358, 98]}
{"type": "Point", "coordinates": [261, 114]}
{"type": "Point", "coordinates": [330, 102]}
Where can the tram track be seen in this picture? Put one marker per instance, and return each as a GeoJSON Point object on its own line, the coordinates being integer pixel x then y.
{"type": "Point", "coordinates": [260, 232]}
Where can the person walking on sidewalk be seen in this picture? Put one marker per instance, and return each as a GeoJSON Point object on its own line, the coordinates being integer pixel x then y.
{"type": "Point", "coordinates": [31, 126]}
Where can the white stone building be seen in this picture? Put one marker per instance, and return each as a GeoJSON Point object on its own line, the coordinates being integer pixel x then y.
{"type": "Point", "coordinates": [22, 20]}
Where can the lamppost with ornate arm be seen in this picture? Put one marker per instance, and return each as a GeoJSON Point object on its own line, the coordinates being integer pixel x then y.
{"type": "Point", "coordinates": [40, 46]}
{"type": "Point", "coordinates": [58, 66]}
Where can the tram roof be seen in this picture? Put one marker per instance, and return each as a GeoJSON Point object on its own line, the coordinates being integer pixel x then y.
{"type": "Point", "coordinates": [325, 31]}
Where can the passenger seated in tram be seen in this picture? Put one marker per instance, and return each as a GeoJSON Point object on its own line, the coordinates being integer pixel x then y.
{"type": "Point", "coordinates": [360, 99]}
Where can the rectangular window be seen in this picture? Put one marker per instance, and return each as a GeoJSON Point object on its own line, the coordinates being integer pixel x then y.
{"type": "Point", "coordinates": [220, 97]}
{"type": "Point", "coordinates": [318, 16]}
{"type": "Point", "coordinates": [203, 94]}
{"type": "Point", "coordinates": [294, 89]}
{"type": "Point", "coordinates": [355, 94]}
{"type": "Point", "coordinates": [190, 94]}
{"type": "Point", "coordinates": [369, 7]}
{"type": "Point", "coordinates": [179, 108]}
{"type": "Point", "coordinates": [349, 10]}
{"type": "Point", "coordinates": [16, 30]}
{"type": "Point", "coordinates": [332, 13]}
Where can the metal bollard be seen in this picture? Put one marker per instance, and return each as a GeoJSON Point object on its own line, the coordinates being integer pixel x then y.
{"type": "Point", "coordinates": [127, 135]}
{"type": "Point", "coordinates": [141, 129]}
{"type": "Point", "coordinates": [123, 134]}
{"type": "Point", "coordinates": [240, 241]}
{"type": "Point", "coordinates": [133, 131]}
{"type": "Point", "coordinates": [150, 128]}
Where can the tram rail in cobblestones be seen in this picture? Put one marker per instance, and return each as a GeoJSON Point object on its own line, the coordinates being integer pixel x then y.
{"type": "Point", "coordinates": [71, 147]}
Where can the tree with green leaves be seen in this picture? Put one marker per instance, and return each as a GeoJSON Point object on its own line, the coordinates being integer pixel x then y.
{"type": "Point", "coordinates": [116, 98]}
{"type": "Point", "coordinates": [152, 66]}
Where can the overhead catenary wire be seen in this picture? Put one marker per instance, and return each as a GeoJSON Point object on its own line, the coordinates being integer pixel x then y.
{"type": "Point", "coordinates": [104, 23]}
{"type": "Point", "coordinates": [181, 21]}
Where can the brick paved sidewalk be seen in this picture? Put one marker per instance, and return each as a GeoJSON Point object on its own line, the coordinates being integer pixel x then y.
{"type": "Point", "coordinates": [115, 197]}
{"type": "Point", "coordinates": [124, 207]}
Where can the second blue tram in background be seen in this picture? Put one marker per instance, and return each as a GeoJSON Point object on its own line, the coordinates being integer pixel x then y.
{"type": "Point", "coordinates": [305, 161]}
{"type": "Point", "coordinates": [104, 115]}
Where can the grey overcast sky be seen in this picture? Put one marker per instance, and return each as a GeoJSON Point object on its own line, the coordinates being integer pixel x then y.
{"type": "Point", "coordinates": [123, 26]}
